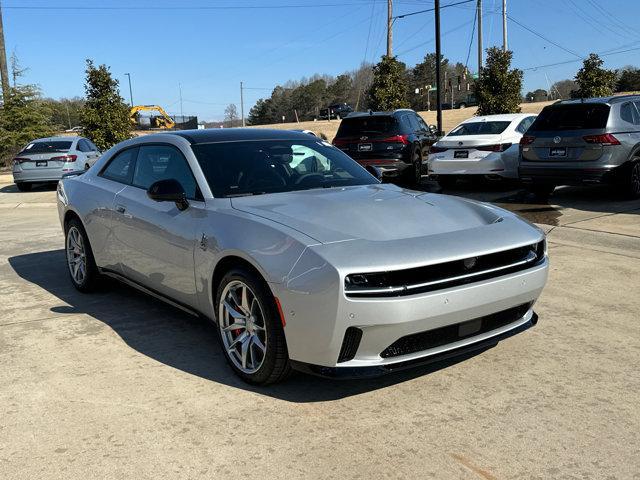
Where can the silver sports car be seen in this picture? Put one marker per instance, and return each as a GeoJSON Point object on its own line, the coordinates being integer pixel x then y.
{"type": "Point", "coordinates": [301, 257]}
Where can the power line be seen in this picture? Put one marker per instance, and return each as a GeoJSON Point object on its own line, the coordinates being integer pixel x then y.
{"type": "Point", "coordinates": [601, 54]}
{"type": "Point", "coordinates": [432, 9]}
{"type": "Point", "coordinates": [473, 31]}
{"type": "Point", "coordinates": [544, 38]}
{"type": "Point", "coordinates": [193, 7]}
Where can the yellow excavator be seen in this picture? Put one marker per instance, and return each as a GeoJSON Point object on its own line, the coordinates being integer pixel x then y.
{"type": "Point", "coordinates": [164, 121]}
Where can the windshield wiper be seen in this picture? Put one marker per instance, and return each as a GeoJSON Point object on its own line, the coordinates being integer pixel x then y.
{"type": "Point", "coordinates": [246, 194]}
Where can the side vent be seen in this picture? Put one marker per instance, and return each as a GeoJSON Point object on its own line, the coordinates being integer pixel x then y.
{"type": "Point", "coordinates": [350, 344]}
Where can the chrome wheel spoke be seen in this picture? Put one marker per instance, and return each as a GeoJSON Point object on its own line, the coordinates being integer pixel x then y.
{"type": "Point", "coordinates": [242, 326]}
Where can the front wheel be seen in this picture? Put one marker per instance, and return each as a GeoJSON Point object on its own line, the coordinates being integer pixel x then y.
{"type": "Point", "coordinates": [82, 266]}
{"type": "Point", "coordinates": [417, 167]}
{"type": "Point", "coordinates": [250, 328]}
{"type": "Point", "coordinates": [447, 181]}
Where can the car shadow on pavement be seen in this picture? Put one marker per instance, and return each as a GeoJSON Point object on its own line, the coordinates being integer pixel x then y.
{"type": "Point", "coordinates": [38, 187]}
{"type": "Point", "coordinates": [179, 340]}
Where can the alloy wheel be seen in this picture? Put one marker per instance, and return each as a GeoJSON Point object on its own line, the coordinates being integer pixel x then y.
{"type": "Point", "coordinates": [76, 255]}
{"type": "Point", "coordinates": [242, 326]}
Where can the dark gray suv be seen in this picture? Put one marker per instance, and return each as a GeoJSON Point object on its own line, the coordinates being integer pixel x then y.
{"type": "Point", "coordinates": [582, 142]}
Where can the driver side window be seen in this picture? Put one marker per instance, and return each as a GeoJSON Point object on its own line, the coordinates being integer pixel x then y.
{"type": "Point", "coordinates": [306, 160]}
{"type": "Point", "coordinates": [162, 162]}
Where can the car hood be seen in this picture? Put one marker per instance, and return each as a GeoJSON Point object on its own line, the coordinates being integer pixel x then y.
{"type": "Point", "coordinates": [371, 212]}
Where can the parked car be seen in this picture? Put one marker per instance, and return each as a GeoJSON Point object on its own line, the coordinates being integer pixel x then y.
{"type": "Point", "coordinates": [77, 129]}
{"type": "Point", "coordinates": [584, 142]}
{"type": "Point", "coordinates": [336, 111]}
{"type": "Point", "coordinates": [326, 271]}
{"type": "Point", "coordinates": [481, 147]}
{"type": "Point", "coordinates": [469, 100]}
{"type": "Point", "coordinates": [47, 159]}
{"type": "Point", "coordinates": [395, 142]}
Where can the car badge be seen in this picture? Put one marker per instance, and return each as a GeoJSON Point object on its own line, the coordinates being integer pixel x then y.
{"type": "Point", "coordinates": [460, 144]}
{"type": "Point", "coordinates": [204, 242]}
{"type": "Point", "coordinates": [557, 139]}
{"type": "Point", "coordinates": [363, 138]}
{"type": "Point", "coordinates": [469, 263]}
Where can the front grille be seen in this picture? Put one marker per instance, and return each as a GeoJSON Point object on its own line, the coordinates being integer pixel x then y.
{"type": "Point", "coordinates": [350, 344]}
{"type": "Point", "coordinates": [418, 342]}
{"type": "Point", "coordinates": [428, 278]}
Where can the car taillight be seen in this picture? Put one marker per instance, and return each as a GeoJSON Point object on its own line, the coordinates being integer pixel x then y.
{"type": "Point", "coordinates": [19, 160]}
{"type": "Point", "coordinates": [397, 139]}
{"type": "Point", "coordinates": [499, 147]}
{"type": "Point", "coordinates": [604, 139]}
{"type": "Point", "coordinates": [65, 158]}
{"type": "Point", "coordinates": [435, 149]}
{"type": "Point", "coordinates": [527, 140]}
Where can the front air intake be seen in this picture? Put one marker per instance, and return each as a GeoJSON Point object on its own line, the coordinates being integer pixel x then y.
{"type": "Point", "coordinates": [350, 344]}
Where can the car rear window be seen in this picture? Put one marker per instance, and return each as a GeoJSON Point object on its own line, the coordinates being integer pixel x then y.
{"type": "Point", "coordinates": [44, 147]}
{"type": "Point", "coordinates": [580, 116]}
{"type": "Point", "coordinates": [479, 128]}
{"type": "Point", "coordinates": [370, 125]}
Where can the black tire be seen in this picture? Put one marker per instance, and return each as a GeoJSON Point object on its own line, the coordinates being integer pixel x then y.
{"type": "Point", "coordinates": [633, 186]}
{"type": "Point", "coordinates": [416, 170]}
{"type": "Point", "coordinates": [89, 282]}
{"type": "Point", "coordinates": [86, 166]}
{"type": "Point", "coordinates": [462, 105]}
{"type": "Point", "coordinates": [447, 181]}
{"type": "Point", "coordinates": [24, 186]}
{"type": "Point", "coordinates": [275, 365]}
{"type": "Point", "coordinates": [542, 192]}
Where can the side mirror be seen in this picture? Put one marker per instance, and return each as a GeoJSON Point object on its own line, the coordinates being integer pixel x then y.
{"type": "Point", "coordinates": [168, 190]}
{"type": "Point", "coordinates": [375, 171]}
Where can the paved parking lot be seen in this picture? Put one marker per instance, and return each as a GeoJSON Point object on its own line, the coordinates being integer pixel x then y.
{"type": "Point", "coordinates": [116, 385]}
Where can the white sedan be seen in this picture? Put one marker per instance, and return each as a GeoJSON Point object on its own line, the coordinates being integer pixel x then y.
{"type": "Point", "coordinates": [485, 146]}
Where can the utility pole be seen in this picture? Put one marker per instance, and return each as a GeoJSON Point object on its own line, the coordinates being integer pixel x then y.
{"type": "Point", "coordinates": [130, 91]}
{"type": "Point", "coordinates": [438, 61]}
{"type": "Point", "coordinates": [4, 75]}
{"type": "Point", "coordinates": [479, 9]}
{"type": "Point", "coordinates": [242, 104]}
{"type": "Point", "coordinates": [180, 90]}
{"type": "Point", "coordinates": [505, 47]}
{"type": "Point", "coordinates": [389, 27]}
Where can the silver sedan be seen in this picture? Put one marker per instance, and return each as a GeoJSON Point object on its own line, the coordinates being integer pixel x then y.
{"type": "Point", "coordinates": [48, 159]}
{"type": "Point", "coordinates": [301, 258]}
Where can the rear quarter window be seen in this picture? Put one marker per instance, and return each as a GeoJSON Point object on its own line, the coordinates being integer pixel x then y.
{"type": "Point", "coordinates": [579, 116]}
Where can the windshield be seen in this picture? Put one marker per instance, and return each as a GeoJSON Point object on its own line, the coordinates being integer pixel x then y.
{"type": "Point", "coordinates": [351, 127]}
{"type": "Point", "coordinates": [270, 166]}
{"type": "Point", "coordinates": [479, 128]}
{"type": "Point", "coordinates": [581, 116]}
{"type": "Point", "coordinates": [45, 147]}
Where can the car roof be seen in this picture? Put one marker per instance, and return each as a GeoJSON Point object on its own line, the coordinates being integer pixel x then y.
{"type": "Point", "coordinates": [504, 117]}
{"type": "Point", "coordinates": [610, 99]}
{"type": "Point", "coordinates": [212, 135]}
{"type": "Point", "coordinates": [378, 114]}
{"type": "Point", "coordinates": [56, 139]}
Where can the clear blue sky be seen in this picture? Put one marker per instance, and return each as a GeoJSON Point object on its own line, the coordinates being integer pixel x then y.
{"type": "Point", "coordinates": [210, 50]}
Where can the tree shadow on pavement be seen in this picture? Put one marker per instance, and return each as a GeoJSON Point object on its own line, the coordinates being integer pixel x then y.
{"type": "Point", "coordinates": [181, 341]}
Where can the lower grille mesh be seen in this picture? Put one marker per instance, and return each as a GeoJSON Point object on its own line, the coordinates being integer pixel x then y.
{"type": "Point", "coordinates": [418, 342]}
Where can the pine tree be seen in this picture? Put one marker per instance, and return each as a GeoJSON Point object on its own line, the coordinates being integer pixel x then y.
{"type": "Point", "coordinates": [105, 115]}
{"type": "Point", "coordinates": [593, 80]}
{"type": "Point", "coordinates": [498, 88]}
{"type": "Point", "coordinates": [23, 116]}
{"type": "Point", "coordinates": [388, 90]}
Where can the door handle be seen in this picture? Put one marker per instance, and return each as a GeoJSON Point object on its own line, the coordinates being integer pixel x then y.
{"type": "Point", "coordinates": [120, 209]}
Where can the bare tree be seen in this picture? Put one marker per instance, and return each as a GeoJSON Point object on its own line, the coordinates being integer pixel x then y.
{"type": "Point", "coordinates": [231, 115]}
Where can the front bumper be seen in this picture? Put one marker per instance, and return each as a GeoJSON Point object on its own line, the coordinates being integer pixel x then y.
{"type": "Point", "coordinates": [317, 325]}
{"type": "Point", "coordinates": [437, 359]}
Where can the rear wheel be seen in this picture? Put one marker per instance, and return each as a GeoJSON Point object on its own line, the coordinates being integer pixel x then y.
{"type": "Point", "coordinates": [82, 266]}
{"type": "Point", "coordinates": [250, 328]}
{"type": "Point", "coordinates": [23, 186]}
{"type": "Point", "coordinates": [86, 166]}
{"type": "Point", "coordinates": [416, 160]}
{"type": "Point", "coordinates": [633, 188]}
{"type": "Point", "coordinates": [447, 181]}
